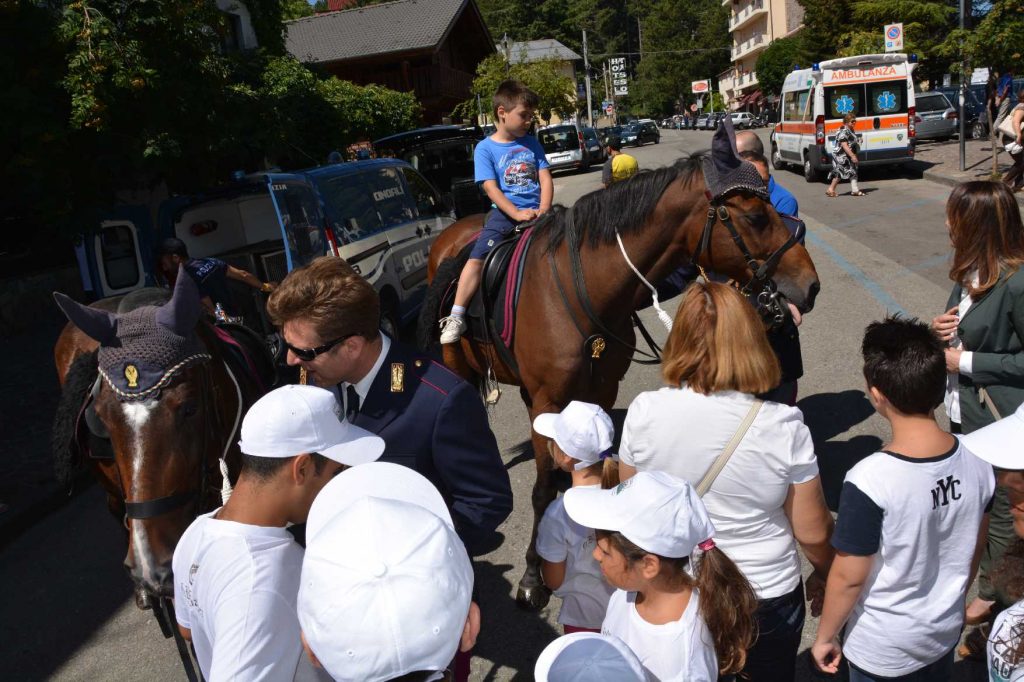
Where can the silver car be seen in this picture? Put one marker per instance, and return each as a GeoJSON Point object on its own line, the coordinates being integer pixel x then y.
{"type": "Point", "coordinates": [936, 118]}
{"type": "Point", "coordinates": [565, 146]}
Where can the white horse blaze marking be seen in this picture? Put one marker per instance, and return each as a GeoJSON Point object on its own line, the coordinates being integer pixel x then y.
{"type": "Point", "coordinates": [136, 414]}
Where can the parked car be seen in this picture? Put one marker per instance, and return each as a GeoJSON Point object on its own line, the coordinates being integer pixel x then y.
{"type": "Point", "coordinates": [444, 155]}
{"type": "Point", "coordinates": [702, 121]}
{"type": "Point", "coordinates": [380, 215]}
{"type": "Point", "coordinates": [974, 108]}
{"type": "Point", "coordinates": [595, 148]}
{"type": "Point", "coordinates": [564, 146]}
{"type": "Point", "coordinates": [936, 117]}
{"type": "Point", "coordinates": [640, 133]}
{"type": "Point", "coordinates": [608, 132]}
{"type": "Point", "coordinates": [742, 119]}
{"type": "Point", "coordinates": [713, 119]}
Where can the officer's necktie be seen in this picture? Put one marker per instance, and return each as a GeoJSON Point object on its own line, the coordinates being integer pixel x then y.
{"type": "Point", "coordinates": [351, 403]}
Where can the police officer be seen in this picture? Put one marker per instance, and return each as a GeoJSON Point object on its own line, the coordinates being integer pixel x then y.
{"type": "Point", "coordinates": [431, 420]}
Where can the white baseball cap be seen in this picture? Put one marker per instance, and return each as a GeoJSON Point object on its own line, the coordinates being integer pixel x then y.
{"type": "Point", "coordinates": [295, 419]}
{"type": "Point", "coordinates": [588, 657]}
{"type": "Point", "coordinates": [999, 444]}
{"type": "Point", "coordinates": [654, 510]}
{"type": "Point", "coordinates": [582, 430]}
{"type": "Point", "coordinates": [386, 583]}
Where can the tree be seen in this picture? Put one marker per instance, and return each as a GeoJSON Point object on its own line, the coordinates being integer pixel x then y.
{"type": "Point", "coordinates": [776, 62]}
{"type": "Point", "coordinates": [557, 92]}
{"type": "Point", "coordinates": [926, 23]}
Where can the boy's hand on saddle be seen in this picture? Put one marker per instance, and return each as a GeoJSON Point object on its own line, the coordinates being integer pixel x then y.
{"type": "Point", "coordinates": [524, 214]}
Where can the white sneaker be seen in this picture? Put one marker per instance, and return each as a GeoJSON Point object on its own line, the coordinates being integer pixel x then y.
{"type": "Point", "coordinates": [452, 329]}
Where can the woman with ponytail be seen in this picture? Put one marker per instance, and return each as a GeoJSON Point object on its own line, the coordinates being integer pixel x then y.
{"type": "Point", "coordinates": [649, 530]}
{"type": "Point", "coordinates": [581, 445]}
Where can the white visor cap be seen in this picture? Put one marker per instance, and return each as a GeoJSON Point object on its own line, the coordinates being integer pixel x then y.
{"type": "Point", "coordinates": [1000, 444]}
{"type": "Point", "coordinates": [386, 582]}
{"type": "Point", "coordinates": [654, 510]}
{"type": "Point", "coordinates": [582, 430]}
{"type": "Point", "coordinates": [295, 419]}
{"type": "Point", "coordinates": [588, 657]}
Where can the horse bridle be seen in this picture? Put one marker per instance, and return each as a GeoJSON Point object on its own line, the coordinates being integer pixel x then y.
{"type": "Point", "coordinates": [768, 301]}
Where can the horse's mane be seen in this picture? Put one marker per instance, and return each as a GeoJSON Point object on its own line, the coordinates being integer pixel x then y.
{"type": "Point", "coordinates": [623, 207]}
{"type": "Point", "coordinates": [77, 384]}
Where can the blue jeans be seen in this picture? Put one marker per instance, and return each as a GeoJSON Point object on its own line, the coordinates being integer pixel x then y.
{"type": "Point", "coordinates": [780, 620]}
{"type": "Point", "coordinates": [497, 227]}
{"type": "Point", "coordinates": [939, 671]}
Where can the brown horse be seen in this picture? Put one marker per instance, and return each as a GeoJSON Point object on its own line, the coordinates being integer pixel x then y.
{"type": "Point", "coordinates": [663, 217]}
{"type": "Point", "coordinates": [152, 403]}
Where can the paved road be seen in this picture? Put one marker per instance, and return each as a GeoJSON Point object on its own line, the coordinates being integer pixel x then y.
{"type": "Point", "coordinates": [67, 612]}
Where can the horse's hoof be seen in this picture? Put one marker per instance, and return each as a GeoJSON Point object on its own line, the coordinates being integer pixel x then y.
{"type": "Point", "coordinates": [143, 599]}
{"type": "Point", "coordinates": [533, 598]}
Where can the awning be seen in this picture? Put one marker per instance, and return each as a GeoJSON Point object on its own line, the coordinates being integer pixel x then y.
{"type": "Point", "coordinates": [751, 98]}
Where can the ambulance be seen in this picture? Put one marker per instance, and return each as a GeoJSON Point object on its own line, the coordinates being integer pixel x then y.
{"type": "Point", "coordinates": [877, 88]}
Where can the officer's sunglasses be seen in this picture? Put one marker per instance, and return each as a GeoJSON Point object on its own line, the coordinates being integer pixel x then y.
{"type": "Point", "coordinates": [309, 354]}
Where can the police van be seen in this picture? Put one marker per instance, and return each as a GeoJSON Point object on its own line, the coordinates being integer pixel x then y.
{"type": "Point", "coordinates": [877, 88]}
{"type": "Point", "coordinates": [380, 215]}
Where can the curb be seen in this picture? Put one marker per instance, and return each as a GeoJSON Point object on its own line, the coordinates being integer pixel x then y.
{"type": "Point", "coordinates": [953, 182]}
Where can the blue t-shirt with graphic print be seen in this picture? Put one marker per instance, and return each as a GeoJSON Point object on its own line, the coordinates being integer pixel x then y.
{"type": "Point", "coordinates": [515, 166]}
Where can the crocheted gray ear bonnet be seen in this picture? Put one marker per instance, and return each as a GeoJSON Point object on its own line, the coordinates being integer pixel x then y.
{"type": "Point", "coordinates": [725, 171]}
{"type": "Point", "coordinates": [141, 351]}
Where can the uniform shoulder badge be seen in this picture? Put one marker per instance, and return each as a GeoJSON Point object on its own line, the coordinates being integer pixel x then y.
{"type": "Point", "coordinates": [397, 377]}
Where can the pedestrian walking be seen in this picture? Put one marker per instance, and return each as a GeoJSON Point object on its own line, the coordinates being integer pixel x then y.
{"type": "Point", "coordinates": [683, 622]}
{"type": "Point", "coordinates": [1014, 146]}
{"type": "Point", "coordinates": [619, 166]}
{"type": "Point", "coordinates": [236, 569]}
{"type": "Point", "coordinates": [1004, 96]}
{"type": "Point", "coordinates": [923, 495]}
{"type": "Point", "coordinates": [386, 583]}
{"type": "Point", "coordinates": [716, 360]}
{"type": "Point", "coordinates": [581, 445]}
{"type": "Point", "coordinates": [511, 167]}
{"type": "Point", "coordinates": [844, 157]}
{"type": "Point", "coordinates": [983, 327]}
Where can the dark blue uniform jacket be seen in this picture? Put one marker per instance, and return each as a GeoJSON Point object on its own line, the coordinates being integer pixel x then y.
{"type": "Point", "coordinates": [436, 423]}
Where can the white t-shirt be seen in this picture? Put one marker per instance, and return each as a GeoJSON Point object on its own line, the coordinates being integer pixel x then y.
{"type": "Point", "coordinates": [1002, 643]}
{"type": "Point", "coordinates": [682, 432]}
{"type": "Point", "coordinates": [920, 519]}
{"type": "Point", "coordinates": [584, 591]}
{"type": "Point", "coordinates": [235, 588]}
{"type": "Point", "coordinates": [682, 651]}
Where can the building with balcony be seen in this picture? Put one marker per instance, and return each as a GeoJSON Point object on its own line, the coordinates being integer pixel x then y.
{"type": "Point", "coordinates": [753, 25]}
{"type": "Point", "coordinates": [428, 47]}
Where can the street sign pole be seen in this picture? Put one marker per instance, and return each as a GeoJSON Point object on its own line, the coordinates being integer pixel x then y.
{"type": "Point", "coordinates": [963, 97]}
{"type": "Point", "coordinates": [586, 75]}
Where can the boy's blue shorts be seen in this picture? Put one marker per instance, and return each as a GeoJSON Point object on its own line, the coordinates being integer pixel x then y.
{"type": "Point", "coordinates": [497, 226]}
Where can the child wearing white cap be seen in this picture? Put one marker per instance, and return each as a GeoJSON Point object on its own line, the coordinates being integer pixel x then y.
{"type": "Point", "coordinates": [681, 628]}
{"type": "Point", "coordinates": [236, 569]}
{"type": "Point", "coordinates": [581, 444]}
{"type": "Point", "coordinates": [999, 444]}
{"type": "Point", "coordinates": [588, 657]}
{"type": "Point", "coordinates": [386, 590]}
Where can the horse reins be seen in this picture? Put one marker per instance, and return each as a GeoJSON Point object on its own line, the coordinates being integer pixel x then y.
{"type": "Point", "coordinates": [768, 298]}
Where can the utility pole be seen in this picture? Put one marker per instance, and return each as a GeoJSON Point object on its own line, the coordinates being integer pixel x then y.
{"type": "Point", "coordinates": [586, 75]}
{"type": "Point", "coordinates": [640, 37]}
{"type": "Point", "coordinates": [963, 96]}
{"type": "Point", "coordinates": [508, 55]}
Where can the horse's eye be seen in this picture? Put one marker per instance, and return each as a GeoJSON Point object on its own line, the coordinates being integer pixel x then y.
{"type": "Point", "coordinates": [758, 221]}
{"type": "Point", "coordinates": [189, 409]}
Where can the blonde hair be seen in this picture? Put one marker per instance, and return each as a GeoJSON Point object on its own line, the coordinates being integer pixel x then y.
{"type": "Point", "coordinates": [718, 343]}
{"type": "Point", "coordinates": [331, 296]}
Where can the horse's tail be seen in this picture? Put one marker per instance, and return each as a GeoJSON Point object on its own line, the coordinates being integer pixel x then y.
{"type": "Point", "coordinates": [79, 381]}
{"type": "Point", "coordinates": [428, 332]}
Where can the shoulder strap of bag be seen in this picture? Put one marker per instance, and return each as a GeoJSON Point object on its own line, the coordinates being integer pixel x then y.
{"type": "Point", "coordinates": [719, 463]}
{"type": "Point", "coordinates": [987, 400]}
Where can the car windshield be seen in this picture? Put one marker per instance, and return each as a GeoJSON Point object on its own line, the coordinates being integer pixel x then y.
{"type": "Point", "coordinates": [558, 139]}
{"type": "Point", "coordinates": [631, 129]}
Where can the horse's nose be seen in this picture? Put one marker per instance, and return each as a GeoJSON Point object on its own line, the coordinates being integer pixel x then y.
{"type": "Point", "coordinates": [812, 293]}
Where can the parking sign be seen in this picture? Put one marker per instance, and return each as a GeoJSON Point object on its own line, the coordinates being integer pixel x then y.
{"type": "Point", "coordinates": [893, 37]}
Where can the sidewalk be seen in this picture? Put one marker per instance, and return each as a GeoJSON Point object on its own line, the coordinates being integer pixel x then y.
{"type": "Point", "coordinates": [940, 161]}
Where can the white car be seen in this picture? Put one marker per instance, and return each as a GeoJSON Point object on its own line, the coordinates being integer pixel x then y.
{"type": "Point", "coordinates": [742, 119]}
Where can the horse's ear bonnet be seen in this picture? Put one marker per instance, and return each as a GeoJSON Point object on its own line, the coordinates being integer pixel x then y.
{"type": "Point", "coordinates": [725, 171]}
{"type": "Point", "coordinates": [140, 351]}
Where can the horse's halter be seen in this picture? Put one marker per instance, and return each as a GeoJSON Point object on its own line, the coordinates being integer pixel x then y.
{"type": "Point", "coordinates": [769, 302]}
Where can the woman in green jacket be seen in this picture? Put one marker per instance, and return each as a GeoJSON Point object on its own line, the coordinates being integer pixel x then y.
{"type": "Point", "coordinates": [984, 328]}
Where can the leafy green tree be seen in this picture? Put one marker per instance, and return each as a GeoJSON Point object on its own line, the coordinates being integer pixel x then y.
{"type": "Point", "coordinates": [994, 41]}
{"type": "Point", "coordinates": [557, 92]}
{"type": "Point", "coordinates": [828, 23]}
{"type": "Point", "coordinates": [295, 9]}
{"type": "Point", "coordinates": [776, 62]}
{"type": "Point", "coordinates": [926, 23]}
